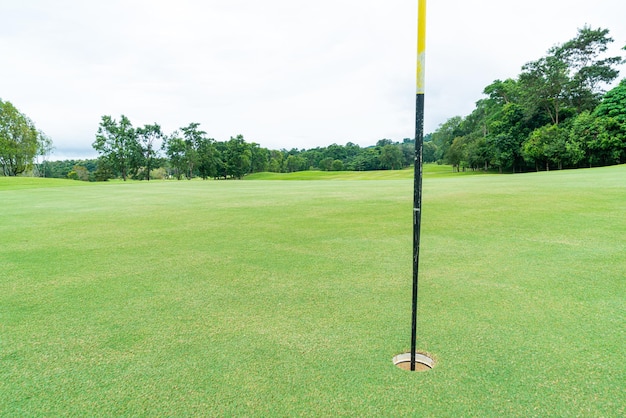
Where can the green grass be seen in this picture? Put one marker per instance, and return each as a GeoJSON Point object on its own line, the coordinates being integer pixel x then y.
{"type": "Point", "coordinates": [13, 183]}
{"type": "Point", "coordinates": [289, 298]}
{"type": "Point", "coordinates": [430, 170]}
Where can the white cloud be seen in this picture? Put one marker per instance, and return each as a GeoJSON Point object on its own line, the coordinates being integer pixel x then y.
{"type": "Point", "coordinates": [282, 73]}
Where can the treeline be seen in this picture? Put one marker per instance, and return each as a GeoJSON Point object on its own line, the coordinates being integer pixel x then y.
{"type": "Point", "coordinates": [146, 153]}
{"type": "Point", "coordinates": [554, 115]}
{"type": "Point", "coordinates": [194, 155]}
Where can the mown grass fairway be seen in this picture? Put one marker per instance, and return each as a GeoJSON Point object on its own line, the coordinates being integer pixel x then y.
{"type": "Point", "coordinates": [290, 298]}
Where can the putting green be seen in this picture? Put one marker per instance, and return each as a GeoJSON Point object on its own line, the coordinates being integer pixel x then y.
{"type": "Point", "coordinates": [290, 298]}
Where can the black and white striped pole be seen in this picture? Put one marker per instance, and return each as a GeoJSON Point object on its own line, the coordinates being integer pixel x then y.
{"type": "Point", "coordinates": [417, 182]}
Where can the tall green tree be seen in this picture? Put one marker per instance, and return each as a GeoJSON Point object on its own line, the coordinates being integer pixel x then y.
{"type": "Point", "coordinates": [445, 134]}
{"type": "Point", "coordinates": [335, 152]}
{"type": "Point", "coordinates": [390, 157]}
{"type": "Point", "coordinates": [544, 146]}
{"type": "Point", "coordinates": [277, 158]}
{"type": "Point", "coordinates": [430, 149]}
{"type": "Point", "coordinates": [149, 138]}
{"type": "Point", "coordinates": [326, 163]}
{"type": "Point", "coordinates": [457, 153]}
{"type": "Point", "coordinates": [478, 153]}
{"type": "Point", "coordinates": [20, 141]}
{"type": "Point", "coordinates": [611, 125]}
{"type": "Point", "coordinates": [175, 149]}
{"type": "Point", "coordinates": [544, 83]}
{"type": "Point", "coordinates": [208, 157]}
{"type": "Point", "coordinates": [312, 157]}
{"type": "Point", "coordinates": [116, 142]}
{"type": "Point", "coordinates": [192, 137]}
{"type": "Point", "coordinates": [237, 157]}
{"type": "Point", "coordinates": [589, 72]}
{"type": "Point", "coordinates": [337, 165]}
{"type": "Point", "coordinates": [368, 159]}
{"type": "Point", "coordinates": [581, 136]}
{"type": "Point", "coordinates": [260, 159]}
{"type": "Point", "coordinates": [571, 78]}
{"type": "Point", "coordinates": [295, 163]}
{"type": "Point", "coordinates": [508, 128]}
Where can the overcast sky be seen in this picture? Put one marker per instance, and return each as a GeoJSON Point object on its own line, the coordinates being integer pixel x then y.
{"type": "Point", "coordinates": [283, 73]}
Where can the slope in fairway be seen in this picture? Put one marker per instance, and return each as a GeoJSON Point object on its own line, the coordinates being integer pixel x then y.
{"type": "Point", "coordinates": [260, 298]}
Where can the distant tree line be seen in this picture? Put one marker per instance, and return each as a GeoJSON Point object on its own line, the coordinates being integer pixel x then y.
{"type": "Point", "coordinates": [82, 169]}
{"type": "Point", "coordinates": [554, 115]}
{"type": "Point", "coordinates": [235, 158]}
{"type": "Point", "coordinates": [146, 153]}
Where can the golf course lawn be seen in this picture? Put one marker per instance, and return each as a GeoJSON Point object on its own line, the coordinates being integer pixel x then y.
{"type": "Point", "coordinates": [289, 298]}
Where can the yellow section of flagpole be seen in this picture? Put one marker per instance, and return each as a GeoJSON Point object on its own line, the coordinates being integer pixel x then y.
{"type": "Point", "coordinates": [421, 44]}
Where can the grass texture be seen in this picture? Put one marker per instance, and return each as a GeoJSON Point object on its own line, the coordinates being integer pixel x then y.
{"type": "Point", "coordinates": [290, 298]}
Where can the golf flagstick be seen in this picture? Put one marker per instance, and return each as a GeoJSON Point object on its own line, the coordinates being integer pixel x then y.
{"type": "Point", "coordinates": [418, 172]}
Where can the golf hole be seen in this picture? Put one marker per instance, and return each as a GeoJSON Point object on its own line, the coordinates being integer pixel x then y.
{"type": "Point", "coordinates": [422, 362]}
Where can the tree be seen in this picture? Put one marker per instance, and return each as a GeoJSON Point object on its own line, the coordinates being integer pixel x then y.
{"type": "Point", "coordinates": [570, 78]}
{"type": "Point", "coordinates": [238, 156]}
{"type": "Point", "coordinates": [457, 152]}
{"type": "Point", "coordinates": [507, 129]}
{"type": "Point", "coordinates": [193, 137]}
{"type": "Point", "coordinates": [504, 148]}
{"type": "Point", "coordinates": [335, 152]}
{"type": "Point", "coordinates": [337, 165]}
{"type": "Point", "coordinates": [544, 85]}
{"type": "Point", "coordinates": [147, 140]}
{"type": "Point", "coordinates": [117, 144]}
{"type": "Point", "coordinates": [478, 154]}
{"type": "Point", "coordinates": [276, 161]}
{"type": "Point", "coordinates": [208, 160]}
{"type": "Point", "coordinates": [503, 92]}
{"type": "Point", "coordinates": [587, 72]}
{"type": "Point", "coordinates": [191, 153]}
{"type": "Point", "coordinates": [312, 157]}
{"type": "Point", "coordinates": [599, 137]}
{"type": "Point", "coordinates": [175, 149]}
{"type": "Point", "coordinates": [78, 172]}
{"type": "Point", "coordinates": [390, 157]}
{"type": "Point", "coordinates": [352, 150]}
{"type": "Point", "coordinates": [580, 137]}
{"type": "Point", "coordinates": [429, 152]}
{"type": "Point", "coordinates": [260, 159]}
{"type": "Point", "coordinates": [382, 142]}
{"type": "Point", "coordinates": [103, 170]}
{"type": "Point", "coordinates": [445, 134]}
{"type": "Point", "coordinates": [19, 140]}
{"type": "Point", "coordinates": [543, 146]}
{"type": "Point", "coordinates": [326, 163]}
{"type": "Point", "coordinates": [499, 125]}
{"type": "Point", "coordinates": [295, 163]}
{"type": "Point", "coordinates": [611, 124]}
{"type": "Point", "coordinates": [556, 145]}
